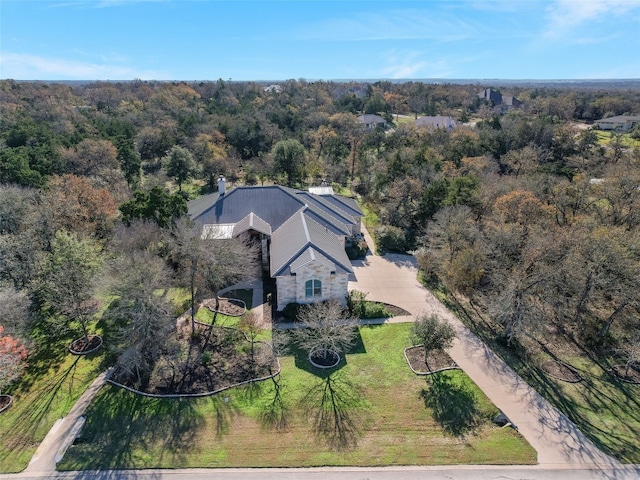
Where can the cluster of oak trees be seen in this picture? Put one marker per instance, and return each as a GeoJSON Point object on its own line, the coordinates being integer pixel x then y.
{"type": "Point", "coordinates": [525, 213]}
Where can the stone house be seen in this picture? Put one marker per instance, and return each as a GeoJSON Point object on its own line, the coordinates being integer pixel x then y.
{"type": "Point", "coordinates": [302, 236]}
{"type": "Point", "coordinates": [502, 103]}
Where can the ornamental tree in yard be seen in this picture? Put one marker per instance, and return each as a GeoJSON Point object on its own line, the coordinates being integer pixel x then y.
{"type": "Point", "coordinates": [325, 326]}
{"type": "Point", "coordinates": [433, 333]}
{"type": "Point", "coordinates": [12, 359]}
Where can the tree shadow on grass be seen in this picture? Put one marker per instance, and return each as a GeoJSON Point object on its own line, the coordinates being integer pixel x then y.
{"type": "Point", "coordinates": [120, 425]}
{"type": "Point", "coordinates": [606, 398]}
{"type": "Point", "coordinates": [39, 411]}
{"type": "Point", "coordinates": [455, 406]}
{"type": "Point", "coordinates": [335, 409]}
{"type": "Point", "coordinates": [274, 414]}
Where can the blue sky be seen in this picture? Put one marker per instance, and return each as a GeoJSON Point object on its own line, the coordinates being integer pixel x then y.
{"type": "Point", "coordinates": [268, 40]}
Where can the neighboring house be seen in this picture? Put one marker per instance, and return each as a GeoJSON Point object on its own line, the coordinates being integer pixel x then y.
{"type": "Point", "coordinates": [622, 123]}
{"type": "Point", "coordinates": [371, 121]}
{"type": "Point", "coordinates": [446, 123]}
{"type": "Point", "coordinates": [502, 102]}
{"type": "Point", "coordinates": [302, 236]}
{"type": "Point", "coordinates": [272, 89]}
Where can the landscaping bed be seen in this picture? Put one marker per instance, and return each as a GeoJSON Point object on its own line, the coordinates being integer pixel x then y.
{"type": "Point", "coordinates": [437, 361]}
{"type": "Point", "coordinates": [219, 359]}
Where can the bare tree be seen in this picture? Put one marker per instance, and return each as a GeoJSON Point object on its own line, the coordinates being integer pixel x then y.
{"type": "Point", "coordinates": [250, 326]}
{"type": "Point", "coordinates": [15, 305]}
{"type": "Point", "coordinates": [208, 265]}
{"type": "Point", "coordinates": [142, 318]}
{"type": "Point", "coordinates": [69, 285]}
{"type": "Point", "coordinates": [325, 326]}
{"type": "Point", "coordinates": [632, 352]}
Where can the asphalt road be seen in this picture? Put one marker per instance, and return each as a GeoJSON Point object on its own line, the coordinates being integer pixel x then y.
{"type": "Point", "coordinates": [461, 472]}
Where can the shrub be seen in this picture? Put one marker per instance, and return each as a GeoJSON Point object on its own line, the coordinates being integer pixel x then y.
{"type": "Point", "coordinates": [390, 238]}
{"type": "Point", "coordinates": [290, 311]}
{"type": "Point", "coordinates": [356, 249]}
{"type": "Point", "coordinates": [359, 307]}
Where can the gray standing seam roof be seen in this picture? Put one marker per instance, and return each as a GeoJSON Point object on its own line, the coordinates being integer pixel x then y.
{"type": "Point", "coordinates": [271, 204]}
{"type": "Point", "coordinates": [298, 234]}
{"type": "Point", "coordinates": [347, 204]}
{"type": "Point", "coordinates": [328, 211]}
{"type": "Point", "coordinates": [302, 225]}
{"type": "Point", "coordinates": [199, 205]}
{"type": "Point", "coordinates": [252, 222]}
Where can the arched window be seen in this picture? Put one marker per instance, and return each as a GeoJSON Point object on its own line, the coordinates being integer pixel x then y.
{"type": "Point", "coordinates": [313, 288]}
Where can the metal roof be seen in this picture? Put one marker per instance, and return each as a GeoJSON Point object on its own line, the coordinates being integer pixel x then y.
{"type": "Point", "coordinates": [330, 208]}
{"type": "Point", "coordinates": [272, 204]}
{"type": "Point", "coordinates": [299, 233]}
{"type": "Point", "coordinates": [252, 222]}
{"type": "Point", "coordinates": [199, 205]}
{"type": "Point", "coordinates": [321, 190]}
{"type": "Point", "coordinates": [295, 220]}
{"type": "Point", "coordinates": [308, 256]}
{"type": "Point", "coordinates": [349, 205]}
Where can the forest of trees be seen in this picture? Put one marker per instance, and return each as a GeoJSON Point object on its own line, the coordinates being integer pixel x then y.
{"type": "Point", "coordinates": [528, 215]}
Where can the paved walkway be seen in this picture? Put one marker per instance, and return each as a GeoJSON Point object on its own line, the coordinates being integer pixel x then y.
{"type": "Point", "coordinates": [64, 431]}
{"type": "Point", "coordinates": [393, 279]}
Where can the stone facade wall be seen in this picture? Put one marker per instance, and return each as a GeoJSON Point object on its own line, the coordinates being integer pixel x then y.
{"type": "Point", "coordinates": [292, 288]}
{"type": "Point", "coordinates": [286, 290]}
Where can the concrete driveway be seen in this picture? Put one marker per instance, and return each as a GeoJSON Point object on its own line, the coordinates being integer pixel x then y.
{"type": "Point", "coordinates": [393, 279]}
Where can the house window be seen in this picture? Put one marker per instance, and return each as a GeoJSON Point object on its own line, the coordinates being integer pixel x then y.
{"type": "Point", "coordinates": [313, 288]}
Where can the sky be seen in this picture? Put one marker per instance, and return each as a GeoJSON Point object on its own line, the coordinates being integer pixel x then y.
{"type": "Point", "coordinates": [319, 40]}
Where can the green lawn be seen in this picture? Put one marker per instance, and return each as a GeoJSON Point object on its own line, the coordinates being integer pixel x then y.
{"type": "Point", "coordinates": [370, 411]}
{"type": "Point", "coordinates": [604, 138]}
{"type": "Point", "coordinates": [53, 382]}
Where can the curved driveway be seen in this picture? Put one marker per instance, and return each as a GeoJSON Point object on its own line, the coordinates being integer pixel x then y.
{"type": "Point", "coordinates": [393, 279]}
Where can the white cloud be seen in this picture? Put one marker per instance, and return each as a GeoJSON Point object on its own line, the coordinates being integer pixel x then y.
{"type": "Point", "coordinates": [413, 65]}
{"type": "Point", "coordinates": [409, 24]}
{"type": "Point", "coordinates": [33, 67]}
{"type": "Point", "coordinates": [563, 16]}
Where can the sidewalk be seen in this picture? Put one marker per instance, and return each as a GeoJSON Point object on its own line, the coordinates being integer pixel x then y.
{"type": "Point", "coordinates": [64, 431]}
{"type": "Point", "coordinates": [393, 279]}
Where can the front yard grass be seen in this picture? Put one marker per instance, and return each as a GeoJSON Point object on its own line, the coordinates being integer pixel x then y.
{"type": "Point", "coordinates": [52, 384]}
{"type": "Point", "coordinates": [370, 410]}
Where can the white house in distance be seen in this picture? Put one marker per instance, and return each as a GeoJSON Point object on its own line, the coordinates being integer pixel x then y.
{"type": "Point", "coordinates": [302, 235]}
{"type": "Point", "coordinates": [621, 123]}
{"type": "Point", "coordinates": [445, 123]}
